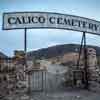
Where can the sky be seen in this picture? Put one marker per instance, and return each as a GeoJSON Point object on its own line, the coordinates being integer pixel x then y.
{"type": "Point", "coordinates": [41, 38]}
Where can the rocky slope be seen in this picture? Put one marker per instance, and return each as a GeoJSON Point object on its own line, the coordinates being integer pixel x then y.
{"type": "Point", "coordinates": [58, 50]}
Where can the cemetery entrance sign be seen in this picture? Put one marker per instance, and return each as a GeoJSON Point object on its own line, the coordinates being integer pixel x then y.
{"type": "Point", "coordinates": [35, 20]}
{"type": "Point", "coordinates": [21, 20]}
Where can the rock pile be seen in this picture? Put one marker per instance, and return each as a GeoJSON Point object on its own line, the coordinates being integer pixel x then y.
{"type": "Point", "coordinates": [12, 80]}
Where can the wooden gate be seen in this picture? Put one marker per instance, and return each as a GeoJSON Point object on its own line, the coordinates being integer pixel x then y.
{"type": "Point", "coordinates": [37, 80]}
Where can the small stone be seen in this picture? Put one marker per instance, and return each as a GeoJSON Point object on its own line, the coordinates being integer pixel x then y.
{"type": "Point", "coordinates": [78, 97]}
{"type": "Point", "coordinates": [24, 97]}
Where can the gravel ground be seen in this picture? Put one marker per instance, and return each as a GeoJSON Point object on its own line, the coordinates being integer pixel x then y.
{"type": "Point", "coordinates": [61, 95]}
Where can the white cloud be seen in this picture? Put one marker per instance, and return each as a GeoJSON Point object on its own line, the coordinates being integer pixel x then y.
{"type": "Point", "coordinates": [40, 38]}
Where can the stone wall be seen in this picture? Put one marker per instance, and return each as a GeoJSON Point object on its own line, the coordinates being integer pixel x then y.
{"type": "Point", "coordinates": [12, 80]}
{"type": "Point", "coordinates": [93, 70]}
